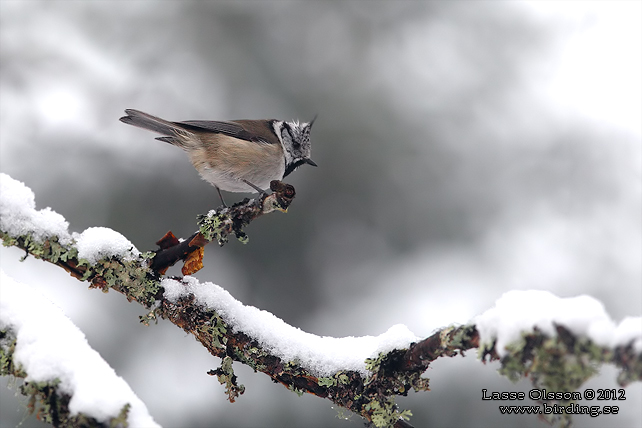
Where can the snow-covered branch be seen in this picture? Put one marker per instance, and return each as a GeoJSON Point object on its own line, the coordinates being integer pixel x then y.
{"type": "Point", "coordinates": [76, 386]}
{"type": "Point", "coordinates": [557, 342]}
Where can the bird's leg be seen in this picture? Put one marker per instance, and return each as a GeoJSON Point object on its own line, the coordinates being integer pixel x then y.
{"type": "Point", "coordinates": [255, 187]}
{"type": "Point", "coordinates": [221, 196]}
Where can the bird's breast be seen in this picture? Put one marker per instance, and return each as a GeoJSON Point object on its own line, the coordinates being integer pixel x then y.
{"type": "Point", "coordinates": [225, 162]}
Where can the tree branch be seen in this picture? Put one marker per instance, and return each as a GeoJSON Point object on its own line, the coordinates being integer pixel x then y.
{"type": "Point", "coordinates": [219, 224]}
{"type": "Point", "coordinates": [563, 360]}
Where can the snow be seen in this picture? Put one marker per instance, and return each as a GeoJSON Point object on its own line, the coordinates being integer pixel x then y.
{"type": "Point", "coordinates": [18, 214]}
{"type": "Point", "coordinates": [514, 313]}
{"type": "Point", "coordinates": [629, 330]}
{"type": "Point", "coordinates": [521, 311]}
{"type": "Point", "coordinates": [50, 346]}
{"type": "Point", "coordinates": [96, 243]}
{"type": "Point", "coordinates": [321, 355]}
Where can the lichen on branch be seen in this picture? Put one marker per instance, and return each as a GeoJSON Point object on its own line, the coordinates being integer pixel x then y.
{"type": "Point", "coordinates": [217, 225]}
{"type": "Point", "coordinates": [559, 358]}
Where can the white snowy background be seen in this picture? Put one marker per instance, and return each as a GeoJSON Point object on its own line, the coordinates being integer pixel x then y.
{"type": "Point", "coordinates": [465, 149]}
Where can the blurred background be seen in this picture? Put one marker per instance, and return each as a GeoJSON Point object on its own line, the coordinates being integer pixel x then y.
{"type": "Point", "coordinates": [465, 149]}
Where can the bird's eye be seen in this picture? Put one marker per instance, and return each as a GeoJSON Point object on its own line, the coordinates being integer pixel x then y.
{"type": "Point", "coordinates": [296, 144]}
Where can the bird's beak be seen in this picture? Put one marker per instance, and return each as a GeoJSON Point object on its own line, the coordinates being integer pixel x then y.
{"type": "Point", "coordinates": [310, 162]}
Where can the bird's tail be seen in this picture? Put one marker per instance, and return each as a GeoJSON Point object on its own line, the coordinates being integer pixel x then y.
{"type": "Point", "coordinates": [176, 134]}
{"type": "Point", "coordinates": [147, 121]}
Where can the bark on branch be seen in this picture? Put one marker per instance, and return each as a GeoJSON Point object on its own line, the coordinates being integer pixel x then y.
{"type": "Point", "coordinates": [564, 360]}
{"type": "Point", "coordinates": [219, 224]}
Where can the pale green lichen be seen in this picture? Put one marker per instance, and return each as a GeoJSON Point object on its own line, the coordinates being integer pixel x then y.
{"type": "Point", "coordinates": [550, 363]}
{"type": "Point", "coordinates": [216, 328]}
{"type": "Point", "coordinates": [338, 378]}
{"type": "Point", "coordinates": [212, 224]}
{"type": "Point", "coordinates": [121, 419]}
{"type": "Point", "coordinates": [554, 364]}
{"type": "Point", "coordinates": [298, 391]}
{"type": "Point", "coordinates": [52, 407]}
{"type": "Point", "coordinates": [343, 378]}
{"type": "Point", "coordinates": [216, 225]}
{"type": "Point", "coordinates": [384, 414]}
{"type": "Point", "coordinates": [461, 337]}
{"type": "Point", "coordinates": [327, 381]}
{"type": "Point", "coordinates": [127, 277]}
{"type": "Point", "coordinates": [131, 277]}
{"type": "Point", "coordinates": [381, 387]}
{"type": "Point", "coordinates": [242, 237]}
{"type": "Point", "coordinates": [343, 413]}
{"type": "Point", "coordinates": [7, 348]}
{"type": "Point", "coordinates": [149, 317]}
{"type": "Point", "coordinates": [225, 375]}
{"type": "Point", "coordinates": [251, 355]}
